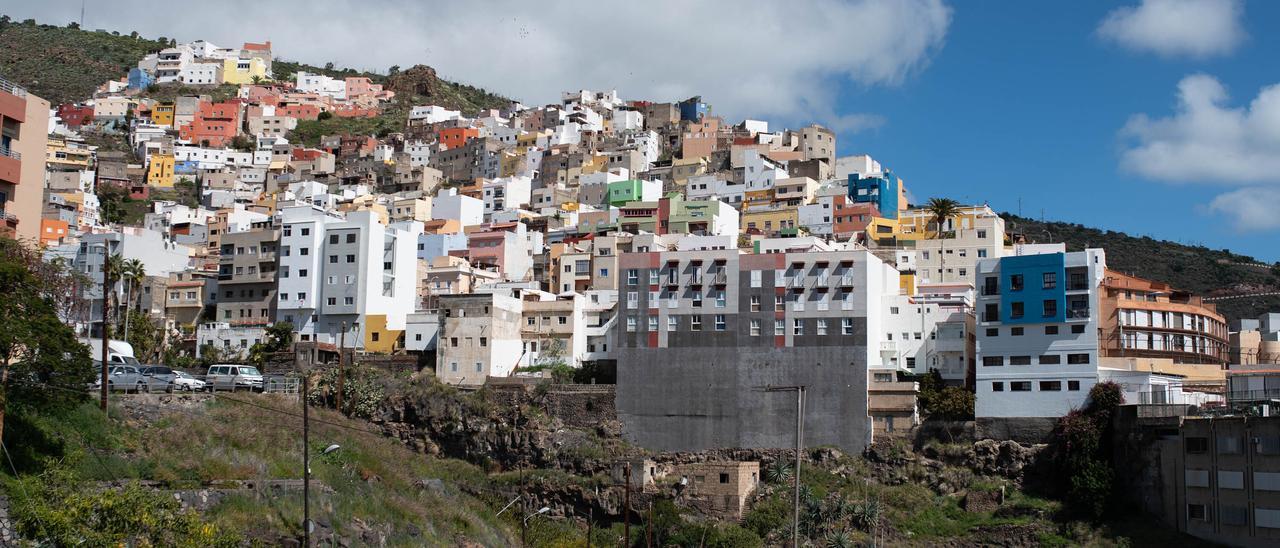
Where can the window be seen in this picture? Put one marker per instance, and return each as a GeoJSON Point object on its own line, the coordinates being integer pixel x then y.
{"type": "Point", "coordinates": [911, 363]}
{"type": "Point", "coordinates": [720, 299]}
{"type": "Point", "coordinates": [755, 328]}
{"type": "Point", "coordinates": [349, 301]}
{"type": "Point", "coordinates": [532, 320]}
{"type": "Point", "coordinates": [1050, 308]}
{"type": "Point", "coordinates": [797, 327]}
{"type": "Point", "coordinates": [846, 326]}
{"type": "Point", "coordinates": [1078, 359]}
{"type": "Point", "coordinates": [1234, 515]}
{"type": "Point", "coordinates": [633, 276]}
{"type": "Point", "coordinates": [653, 276]}
{"type": "Point", "coordinates": [779, 328]}
{"type": "Point", "coordinates": [1016, 309]}
{"type": "Point", "coordinates": [997, 386]}
{"type": "Point", "coordinates": [333, 238]}
{"type": "Point", "coordinates": [822, 327]}
{"type": "Point", "coordinates": [672, 323]}
{"type": "Point", "coordinates": [1020, 386]}
{"type": "Point", "coordinates": [982, 233]}
{"type": "Point", "coordinates": [1050, 386]}
{"type": "Point", "coordinates": [633, 299]}
{"type": "Point", "coordinates": [284, 296]}
{"type": "Point", "coordinates": [893, 310]}
{"type": "Point", "coordinates": [1050, 280]}
{"type": "Point", "coordinates": [302, 273]}
{"type": "Point", "coordinates": [991, 313]}
{"type": "Point", "coordinates": [1229, 445]}
{"type": "Point", "coordinates": [1016, 331]}
{"type": "Point", "coordinates": [604, 273]}
{"type": "Point", "coordinates": [993, 332]}
{"type": "Point", "coordinates": [1015, 282]}
{"type": "Point", "coordinates": [304, 251]}
{"type": "Point", "coordinates": [779, 303]}
{"type": "Point", "coordinates": [720, 323]}
{"type": "Point", "coordinates": [1077, 329]}
{"type": "Point", "coordinates": [982, 253]}
{"type": "Point", "coordinates": [333, 280]}
{"type": "Point", "coordinates": [1050, 359]}
{"type": "Point", "coordinates": [697, 297]}
{"type": "Point", "coordinates": [1073, 386]}
{"type": "Point", "coordinates": [1197, 512]}
{"type": "Point", "coordinates": [631, 323]}
{"type": "Point", "coordinates": [755, 303]}
{"type": "Point", "coordinates": [695, 323]}
{"type": "Point", "coordinates": [562, 320]}
{"type": "Point", "coordinates": [1050, 330]}
{"type": "Point", "coordinates": [1197, 445]}
{"type": "Point", "coordinates": [332, 301]}
{"type": "Point", "coordinates": [1019, 360]}
{"type": "Point", "coordinates": [992, 361]}
{"type": "Point", "coordinates": [757, 278]}
{"type": "Point", "coordinates": [333, 258]}
{"type": "Point", "coordinates": [351, 238]}
{"type": "Point", "coordinates": [351, 258]}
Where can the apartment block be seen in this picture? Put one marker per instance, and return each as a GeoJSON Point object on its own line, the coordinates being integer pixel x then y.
{"type": "Point", "coordinates": [1038, 346]}
{"type": "Point", "coordinates": [1226, 480]}
{"type": "Point", "coordinates": [23, 145]}
{"type": "Point", "coordinates": [1146, 318]}
{"type": "Point", "coordinates": [247, 276]}
{"type": "Point", "coordinates": [702, 332]}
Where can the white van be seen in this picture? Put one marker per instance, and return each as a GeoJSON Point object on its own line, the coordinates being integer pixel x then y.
{"type": "Point", "coordinates": [118, 352]}
{"type": "Point", "coordinates": [233, 377]}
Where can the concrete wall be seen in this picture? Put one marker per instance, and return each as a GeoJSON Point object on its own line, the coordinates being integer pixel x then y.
{"type": "Point", "coordinates": [707, 397]}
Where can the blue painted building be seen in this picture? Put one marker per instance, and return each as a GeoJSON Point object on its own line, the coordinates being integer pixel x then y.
{"type": "Point", "coordinates": [692, 109]}
{"type": "Point", "coordinates": [140, 79]}
{"type": "Point", "coordinates": [1033, 289]}
{"type": "Point", "coordinates": [882, 191]}
{"type": "Point", "coordinates": [431, 246]}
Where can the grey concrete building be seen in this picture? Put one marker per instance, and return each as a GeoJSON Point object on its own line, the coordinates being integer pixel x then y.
{"type": "Point", "coordinates": [701, 333]}
{"type": "Point", "coordinates": [1225, 478]}
{"type": "Point", "coordinates": [247, 276]}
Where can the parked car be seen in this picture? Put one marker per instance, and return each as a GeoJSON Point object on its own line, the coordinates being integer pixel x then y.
{"type": "Point", "coordinates": [158, 378]}
{"type": "Point", "coordinates": [185, 382]}
{"type": "Point", "coordinates": [123, 377]}
{"type": "Point", "coordinates": [234, 377]}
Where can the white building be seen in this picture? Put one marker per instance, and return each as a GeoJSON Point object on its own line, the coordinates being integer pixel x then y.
{"type": "Point", "coordinates": [353, 270]}
{"type": "Point", "coordinates": [320, 84]}
{"type": "Point", "coordinates": [506, 193]}
{"type": "Point", "coordinates": [479, 337]}
{"type": "Point", "coordinates": [203, 74]}
{"type": "Point", "coordinates": [1037, 348]}
{"type": "Point", "coordinates": [432, 114]}
{"type": "Point", "coordinates": [450, 205]}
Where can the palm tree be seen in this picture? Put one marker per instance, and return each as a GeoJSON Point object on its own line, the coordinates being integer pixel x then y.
{"type": "Point", "coordinates": [133, 274]}
{"type": "Point", "coordinates": [940, 210]}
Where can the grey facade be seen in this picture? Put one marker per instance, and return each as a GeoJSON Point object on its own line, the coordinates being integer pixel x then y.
{"type": "Point", "coordinates": [247, 276]}
{"type": "Point", "coordinates": [693, 364]}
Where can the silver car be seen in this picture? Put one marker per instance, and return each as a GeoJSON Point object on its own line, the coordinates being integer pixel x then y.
{"type": "Point", "coordinates": [126, 378]}
{"type": "Point", "coordinates": [158, 378]}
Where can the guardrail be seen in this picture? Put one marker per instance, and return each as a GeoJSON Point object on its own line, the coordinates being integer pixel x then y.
{"type": "Point", "coordinates": [12, 88]}
{"type": "Point", "coordinates": [6, 151]}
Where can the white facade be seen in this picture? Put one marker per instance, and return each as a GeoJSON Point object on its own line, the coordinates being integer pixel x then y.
{"type": "Point", "coordinates": [201, 74]}
{"type": "Point", "coordinates": [861, 164]}
{"type": "Point", "coordinates": [1027, 366]}
{"type": "Point", "coordinates": [432, 114]}
{"type": "Point", "coordinates": [714, 185]}
{"type": "Point", "coordinates": [320, 84]}
{"type": "Point", "coordinates": [507, 193]}
{"type": "Point", "coordinates": [624, 120]}
{"type": "Point", "coordinates": [451, 205]}
{"type": "Point", "coordinates": [233, 340]}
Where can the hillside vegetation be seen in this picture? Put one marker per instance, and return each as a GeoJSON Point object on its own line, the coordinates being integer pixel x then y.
{"type": "Point", "coordinates": [1206, 272]}
{"type": "Point", "coordinates": [66, 64]}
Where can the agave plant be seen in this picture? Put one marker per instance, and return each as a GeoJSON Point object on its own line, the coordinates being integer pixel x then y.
{"type": "Point", "coordinates": [838, 539]}
{"type": "Point", "coordinates": [778, 472]}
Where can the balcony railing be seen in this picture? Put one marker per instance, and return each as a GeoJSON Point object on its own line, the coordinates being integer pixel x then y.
{"type": "Point", "coordinates": [720, 278]}
{"type": "Point", "coordinates": [1078, 314]}
{"type": "Point", "coordinates": [6, 151]}
{"type": "Point", "coordinates": [12, 88]}
{"type": "Point", "coordinates": [846, 280]}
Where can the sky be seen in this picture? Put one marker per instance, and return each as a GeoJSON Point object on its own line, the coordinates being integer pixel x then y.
{"type": "Point", "coordinates": [1152, 117]}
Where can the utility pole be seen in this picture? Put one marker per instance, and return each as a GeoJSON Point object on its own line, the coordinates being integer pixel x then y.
{"type": "Point", "coordinates": [626, 508]}
{"type": "Point", "coordinates": [591, 514]}
{"type": "Point", "coordinates": [342, 363]}
{"type": "Point", "coordinates": [648, 533]}
{"type": "Point", "coordinates": [106, 305]}
{"type": "Point", "coordinates": [306, 455]}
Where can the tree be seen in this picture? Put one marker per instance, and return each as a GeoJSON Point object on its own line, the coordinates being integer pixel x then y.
{"type": "Point", "coordinates": [328, 66]}
{"type": "Point", "coordinates": [940, 210]}
{"type": "Point", "coordinates": [35, 345]}
{"type": "Point", "coordinates": [133, 273]}
{"type": "Point", "coordinates": [279, 337]}
{"type": "Point", "coordinates": [394, 70]}
{"type": "Point", "coordinates": [144, 336]}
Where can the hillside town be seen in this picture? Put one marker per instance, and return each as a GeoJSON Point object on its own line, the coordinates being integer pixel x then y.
{"type": "Point", "coordinates": [696, 262]}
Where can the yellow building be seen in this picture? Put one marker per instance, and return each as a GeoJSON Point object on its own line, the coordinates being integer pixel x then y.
{"type": "Point", "coordinates": [917, 223]}
{"type": "Point", "coordinates": [243, 71]}
{"type": "Point", "coordinates": [68, 157]}
{"type": "Point", "coordinates": [160, 171]}
{"type": "Point", "coordinates": [771, 220]}
{"type": "Point", "coordinates": [162, 114]}
{"type": "Point", "coordinates": [378, 338]}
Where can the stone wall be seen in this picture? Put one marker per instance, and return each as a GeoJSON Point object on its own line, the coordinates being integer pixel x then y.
{"type": "Point", "coordinates": [1019, 429]}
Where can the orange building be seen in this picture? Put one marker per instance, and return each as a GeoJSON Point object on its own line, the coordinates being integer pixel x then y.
{"type": "Point", "coordinates": [215, 125]}
{"type": "Point", "coordinates": [52, 231]}
{"type": "Point", "coordinates": [1145, 318]}
{"type": "Point", "coordinates": [455, 137]}
{"type": "Point", "coordinates": [849, 217]}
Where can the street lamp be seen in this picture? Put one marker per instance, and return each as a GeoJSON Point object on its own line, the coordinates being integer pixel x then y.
{"type": "Point", "coordinates": [799, 390]}
{"type": "Point", "coordinates": [307, 525]}
{"type": "Point", "coordinates": [524, 525]}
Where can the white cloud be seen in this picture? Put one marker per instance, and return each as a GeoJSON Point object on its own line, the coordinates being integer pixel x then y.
{"type": "Point", "coordinates": [1193, 28]}
{"type": "Point", "coordinates": [1250, 209]}
{"type": "Point", "coordinates": [1206, 140]}
{"type": "Point", "coordinates": [747, 58]}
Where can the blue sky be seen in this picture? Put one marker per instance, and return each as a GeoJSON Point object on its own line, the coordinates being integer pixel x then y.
{"type": "Point", "coordinates": [1026, 101]}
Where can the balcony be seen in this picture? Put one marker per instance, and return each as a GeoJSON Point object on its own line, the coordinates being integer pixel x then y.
{"type": "Point", "coordinates": [1078, 314]}
{"type": "Point", "coordinates": [720, 278]}
{"type": "Point", "coordinates": [797, 282]}
{"type": "Point", "coordinates": [888, 348]}
{"type": "Point", "coordinates": [695, 279]}
{"type": "Point", "coordinates": [846, 280]}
